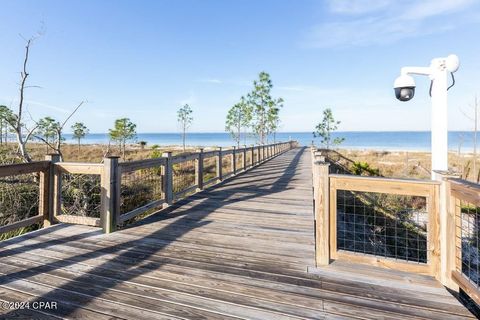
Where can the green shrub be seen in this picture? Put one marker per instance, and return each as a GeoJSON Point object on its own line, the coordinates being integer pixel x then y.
{"type": "Point", "coordinates": [361, 168]}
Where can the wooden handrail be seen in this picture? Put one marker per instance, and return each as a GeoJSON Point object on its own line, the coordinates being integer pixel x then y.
{"type": "Point", "coordinates": [23, 168]}
{"type": "Point", "coordinates": [325, 198]}
{"type": "Point", "coordinates": [141, 164]}
{"type": "Point", "coordinates": [462, 193]}
{"type": "Point", "coordinates": [465, 190]}
{"type": "Point", "coordinates": [445, 197]}
{"type": "Point", "coordinates": [409, 187]}
{"type": "Point", "coordinates": [110, 172]}
{"type": "Point", "coordinates": [80, 167]}
{"type": "Point", "coordinates": [42, 168]}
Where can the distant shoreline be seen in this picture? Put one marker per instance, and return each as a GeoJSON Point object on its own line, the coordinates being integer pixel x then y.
{"type": "Point", "coordinates": [412, 141]}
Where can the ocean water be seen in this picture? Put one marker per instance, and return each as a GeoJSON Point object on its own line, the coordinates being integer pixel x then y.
{"type": "Point", "coordinates": [392, 140]}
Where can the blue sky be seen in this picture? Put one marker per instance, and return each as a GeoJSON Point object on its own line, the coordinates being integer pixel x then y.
{"type": "Point", "coordinates": [143, 59]}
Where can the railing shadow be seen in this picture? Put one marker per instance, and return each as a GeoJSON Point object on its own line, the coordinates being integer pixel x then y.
{"type": "Point", "coordinates": [126, 250]}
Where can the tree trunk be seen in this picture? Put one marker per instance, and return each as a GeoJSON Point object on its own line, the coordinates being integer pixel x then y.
{"type": "Point", "coordinates": [78, 147]}
{"type": "Point", "coordinates": [22, 148]}
{"type": "Point", "coordinates": [475, 142]}
{"type": "Point", "coordinates": [239, 131]}
{"type": "Point", "coordinates": [123, 149]}
{"type": "Point", "coordinates": [183, 138]}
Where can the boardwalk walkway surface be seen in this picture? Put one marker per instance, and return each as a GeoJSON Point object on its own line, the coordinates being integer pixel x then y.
{"type": "Point", "coordinates": [238, 250]}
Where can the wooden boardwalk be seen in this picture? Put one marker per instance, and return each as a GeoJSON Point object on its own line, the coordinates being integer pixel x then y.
{"type": "Point", "coordinates": [239, 250]}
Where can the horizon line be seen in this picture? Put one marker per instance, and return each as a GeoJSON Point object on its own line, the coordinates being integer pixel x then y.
{"type": "Point", "coordinates": [284, 132]}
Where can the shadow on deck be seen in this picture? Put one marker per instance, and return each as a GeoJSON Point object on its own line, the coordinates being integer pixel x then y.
{"type": "Point", "coordinates": [238, 250]}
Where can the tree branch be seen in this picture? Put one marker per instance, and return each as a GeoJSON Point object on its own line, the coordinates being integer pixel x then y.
{"type": "Point", "coordinates": [45, 141]}
{"type": "Point", "coordinates": [71, 114]}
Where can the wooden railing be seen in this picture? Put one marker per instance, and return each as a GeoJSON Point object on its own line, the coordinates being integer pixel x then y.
{"type": "Point", "coordinates": [423, 226]}
{"type": "Point", "coordinates": [111, 193]}
{"type": "Point", "coordinates": [464, 249]}
{"type": "Point", "coordinates": [25, 198]}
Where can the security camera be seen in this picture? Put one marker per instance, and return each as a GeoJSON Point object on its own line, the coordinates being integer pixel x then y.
{"type": "Point", "coordinates": [404, 87]}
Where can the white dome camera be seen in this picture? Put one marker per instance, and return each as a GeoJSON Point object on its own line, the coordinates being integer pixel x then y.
{"type": "Point", "coordinates": [404, 87]}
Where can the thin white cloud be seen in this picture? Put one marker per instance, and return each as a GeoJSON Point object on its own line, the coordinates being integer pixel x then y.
{"type": "Point", "coordinates": [357, 6]}
{"type": "Point", "coordinates": [28, 103]}
{"type": "Point", "coordinates": [48, 106]}
{"type": "Point", "coordinates": [379, 22]}
{"type": "Point", "coordinates": [211, 80]}
{"type": "Point", "coordinates": [430, 8]}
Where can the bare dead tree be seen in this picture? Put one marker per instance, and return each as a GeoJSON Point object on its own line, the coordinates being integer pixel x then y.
{"type": "Point", "coordinates": [22, 134]}
{"type": "Point", "coordinates": [475, 130]}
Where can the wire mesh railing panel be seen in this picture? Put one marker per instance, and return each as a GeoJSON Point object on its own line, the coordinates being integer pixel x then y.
{"type": "Point", "coordinates": [239, 161]}
{"type": "Point", "coordinates": [467, 241]}
{"type": "Point", "coordinates": [140, 187]}
{"type": "Point", "coordinates": [19, 198]}
{"type": "Point", "coordinates": [384, 225]}
{"type": "Point", "coordinates": [183, 175]}
{"type": "Point", "coordinates": [81, 194]}
{"type": "Point", "coordinates": [209, 168]}
{"type": "Point", "coordinates": [249, 158]}
{"type": "Point", "coordinates": [227, 164]}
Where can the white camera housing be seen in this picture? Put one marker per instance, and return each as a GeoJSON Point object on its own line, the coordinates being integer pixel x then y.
{"type": "Point", "coordinates": [404, 87]}
{"type": "Point", "coordinates": [438, 72]}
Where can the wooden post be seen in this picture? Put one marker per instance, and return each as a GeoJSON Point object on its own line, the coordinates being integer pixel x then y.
{"type": "Point", "coordinates": [219, 164]}
{"type": "Point", "coordinates": [321, 207]}
{"type": "Point", "coordinates": [234, 160]}
{"type": "Point", "coordinates": [252, 158]}
{"type": "Point", "coordinates": [110, 200]}
{"type": "Point", "coordinates": [57, 189]}
{"type": "Point", "coordinates": [447, 230]}
{"type": "Point", "coordinates": [47, 191]}
{"type": "Point", "coordinates": [244, 157]}
{"type": "Point", "coordinates": [199, 170]}
{"type": "Point", "coordinates": [168, 178]}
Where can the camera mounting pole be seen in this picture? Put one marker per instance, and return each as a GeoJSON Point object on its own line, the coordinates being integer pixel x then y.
{"type": "Point", "coordinates": [438, 73]}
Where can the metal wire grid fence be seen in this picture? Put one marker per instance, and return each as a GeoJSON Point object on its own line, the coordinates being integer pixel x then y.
{"type": "Point", "coordinates": [140, 187]}
{"type": "Point", "coordinates": [81, 194]}
{"type": "Point", "coordinates": [249, 158]}
{"type": "Point", "coordinates": [239, 160]}
{"type": "Point", "coordinates": [183, 175]}
{"type": "Point", "coordinates": [209, 168]}
{"type": "Point", "coordinates": [19, 198]}
{"type": "Point", "coordinates": [390, 226]}
{"type": "Point", "coordinates": [227, 164]}
{"type": "Point", "coordinates": [256, 153]}
{"type": "Point", "coordinates": [467, 241]}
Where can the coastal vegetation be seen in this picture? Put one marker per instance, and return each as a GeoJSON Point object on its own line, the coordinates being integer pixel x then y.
{"type": "Point", "coordinates": [80, 130]}
{"type": "Point", "coordinates": [185, 119]}
{"type": "Point", "coordinates": [325, 128]}
{"type": "Point", "coordinates": [124, 130]}
{"type": "Point", "coordinates": [239, 116]}
{"type": "Point", "coordinates": [259, 111]}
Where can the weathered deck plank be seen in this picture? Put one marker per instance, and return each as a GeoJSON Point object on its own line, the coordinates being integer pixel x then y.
{"type": "Point", "coordinates": [239, 250]}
